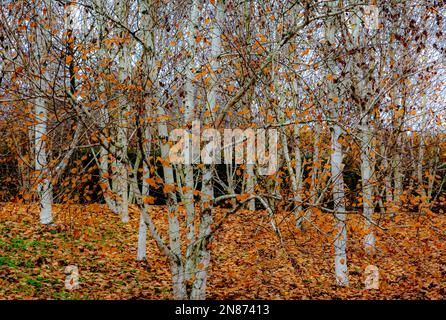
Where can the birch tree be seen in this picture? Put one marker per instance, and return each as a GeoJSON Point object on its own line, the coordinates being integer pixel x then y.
{"type": "Point", "coordinates": [340, 243]}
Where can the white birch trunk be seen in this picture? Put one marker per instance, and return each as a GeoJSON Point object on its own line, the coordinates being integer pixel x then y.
{"type": "Point", "coordinates": [176, 265]}
{"type": "Point", "coordinates": [204, 255]}
{"type": "Point", "coordinates": [230, 177]}
{"type": "Point", "coordinates": [340, 243]}
{"type": "Point", "coordinates": [148, 35]}
{"type": "Point", "coordinates": [314, 187]}
{"type": "Point", "coordinates": [250, 186]}
{"type": "Point", "coordinates": [104, 170]}
{"type": "Point", "coordinates": [367, 187]}
{"type": "Point", "coordinates": [142, 232]}
{"type": "Point", "coordinates": [420, 166]}
{"type": "Point", "coordinates": [295, 175]}
{"type": "Point", "coordinates": [421, 148]}
{"type": "Point", "coordinates": [174, 250]}
{"type": "Point", "coordinates": [316, 165]}
{"type": "Point", "coordinates": [387, 176]}
{"type": "Point", "coordinates": [44, 186]}
{"type": "Point", "coordinates": [104, 156]}
{"type": "Point", "coordinates": [433, 167]}
{"type": "Point", "coordinates": [190, 152]}
{"type": "Point", "coordinates": [122, 185]}
{"type": "Point", "coordinates": [397, 175]}
{"type": "Point", "coordinates": [360, 82]}
{"type": "Point", "coordinates": [299, 171]}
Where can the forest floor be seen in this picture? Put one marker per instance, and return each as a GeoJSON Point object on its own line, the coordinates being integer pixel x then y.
{"type": "Point", "coordinates": [248, 261]}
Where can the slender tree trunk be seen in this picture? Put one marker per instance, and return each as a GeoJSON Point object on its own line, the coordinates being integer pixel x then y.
{"type": "Point", "coordinates": [176, 264]}
{"type": "Point", "coordinates": [122, 185]}
{"type": "Point", "coordinates": [250, 186]}
{"type": "Point", "coordinates": [133, 185]}
{"type": "Point", "coordinates": [316, 165]}
{"type": "Point", "coordinates": [387, 175]}
{"type": "Point", "coordinates": [230, 178]}
{"type": "Point", "coordinates": [295, 175]}
{"type": "Point", "coordinates": [314, 189]}
{"type": "Point", "coordinates": [420, 166]}
{"type": "Point", "coordinates": [397, 175]}
{"type": "Point", "coordinates": [367, 187]}
{"type": "Point", "coordinates": [340, 243]}
{"type": "Point", "coordinates": [433, 167]}
{"type": "Point", "coordinates": [299, 170]}
{"type": "Point", "coordinates": [104, 118]}
{"type": "Point", "coordinates": [142, 232]}
{"type": "Point", "coordinates": [44, 186]}
{"type": "Point", "coordinates": [174, 250]}
{"type": "Point", "coordinates": [190, 151]}
{"type": "Point", "coordinates": [204, 255]}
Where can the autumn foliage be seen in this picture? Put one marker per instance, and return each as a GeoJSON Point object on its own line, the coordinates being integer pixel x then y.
{"type": "Point", "coordinates": [248, 261]}
{"type": "Point", "coordinates": [102, 102]}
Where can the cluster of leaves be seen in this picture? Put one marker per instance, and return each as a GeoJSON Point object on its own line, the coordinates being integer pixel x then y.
{"type": "Point", "coordinates": [248, 260]}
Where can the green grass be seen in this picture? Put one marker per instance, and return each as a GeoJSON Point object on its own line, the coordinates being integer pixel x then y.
{"type": "Point", "coordinates": [8, 261]}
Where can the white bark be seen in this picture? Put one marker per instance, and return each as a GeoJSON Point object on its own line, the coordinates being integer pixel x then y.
{"type": "Point", "coordinates": [294, 175]}
{"type": "Point", "coordinates": [176, 264]}
{"type": "Point", "coordinates": [148, 12]}
{"type": "Point", "coordinates": [433, 167]}
{"type": "Point", "coordinates": [148, 62]}
{"type": "Point", "coordinates": [360, 82]}
{"type": "Point", "coordinates": [122, 185]}
{"type": "Point", "coordinates": [45, 178]}
{"type": "Point", "coordinates": [189, 147]}
{"type": "Point", "coordinates": [173, 252]}
{"type": "Point", "coordinates": [314, 187]}
{"type": "Point", "coordinates": [420, 165]}
{"type": "Point", "coordinates": [230, 171]}
{"type": "Point", "coordinates": [142, 232]}
{"type": "Point", "coordinates": [204, 255]}
{"type": "Point", "coordinates": [104, 155]}
{"type": "Point", "coordinates": [397, 175]}
{"type": "Point", "coordinates": [367, 187]}
{"type": "Point", "coordinates": [387, 176]}
{"type": "Point", "coordinates": [250, 186]}
{"type": "Point", "coordinates": [299, 170]}
{"type": "Point", "coordinates": [44, 186]}
{"type": "Point", "coordinates": [316, 164]}
{"type": "Point", "coordinates": [340, 243]}
{"type": "Point", "coordinates": [104, 171]}
{"type": "Point", "coordinates": [421, 148]}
